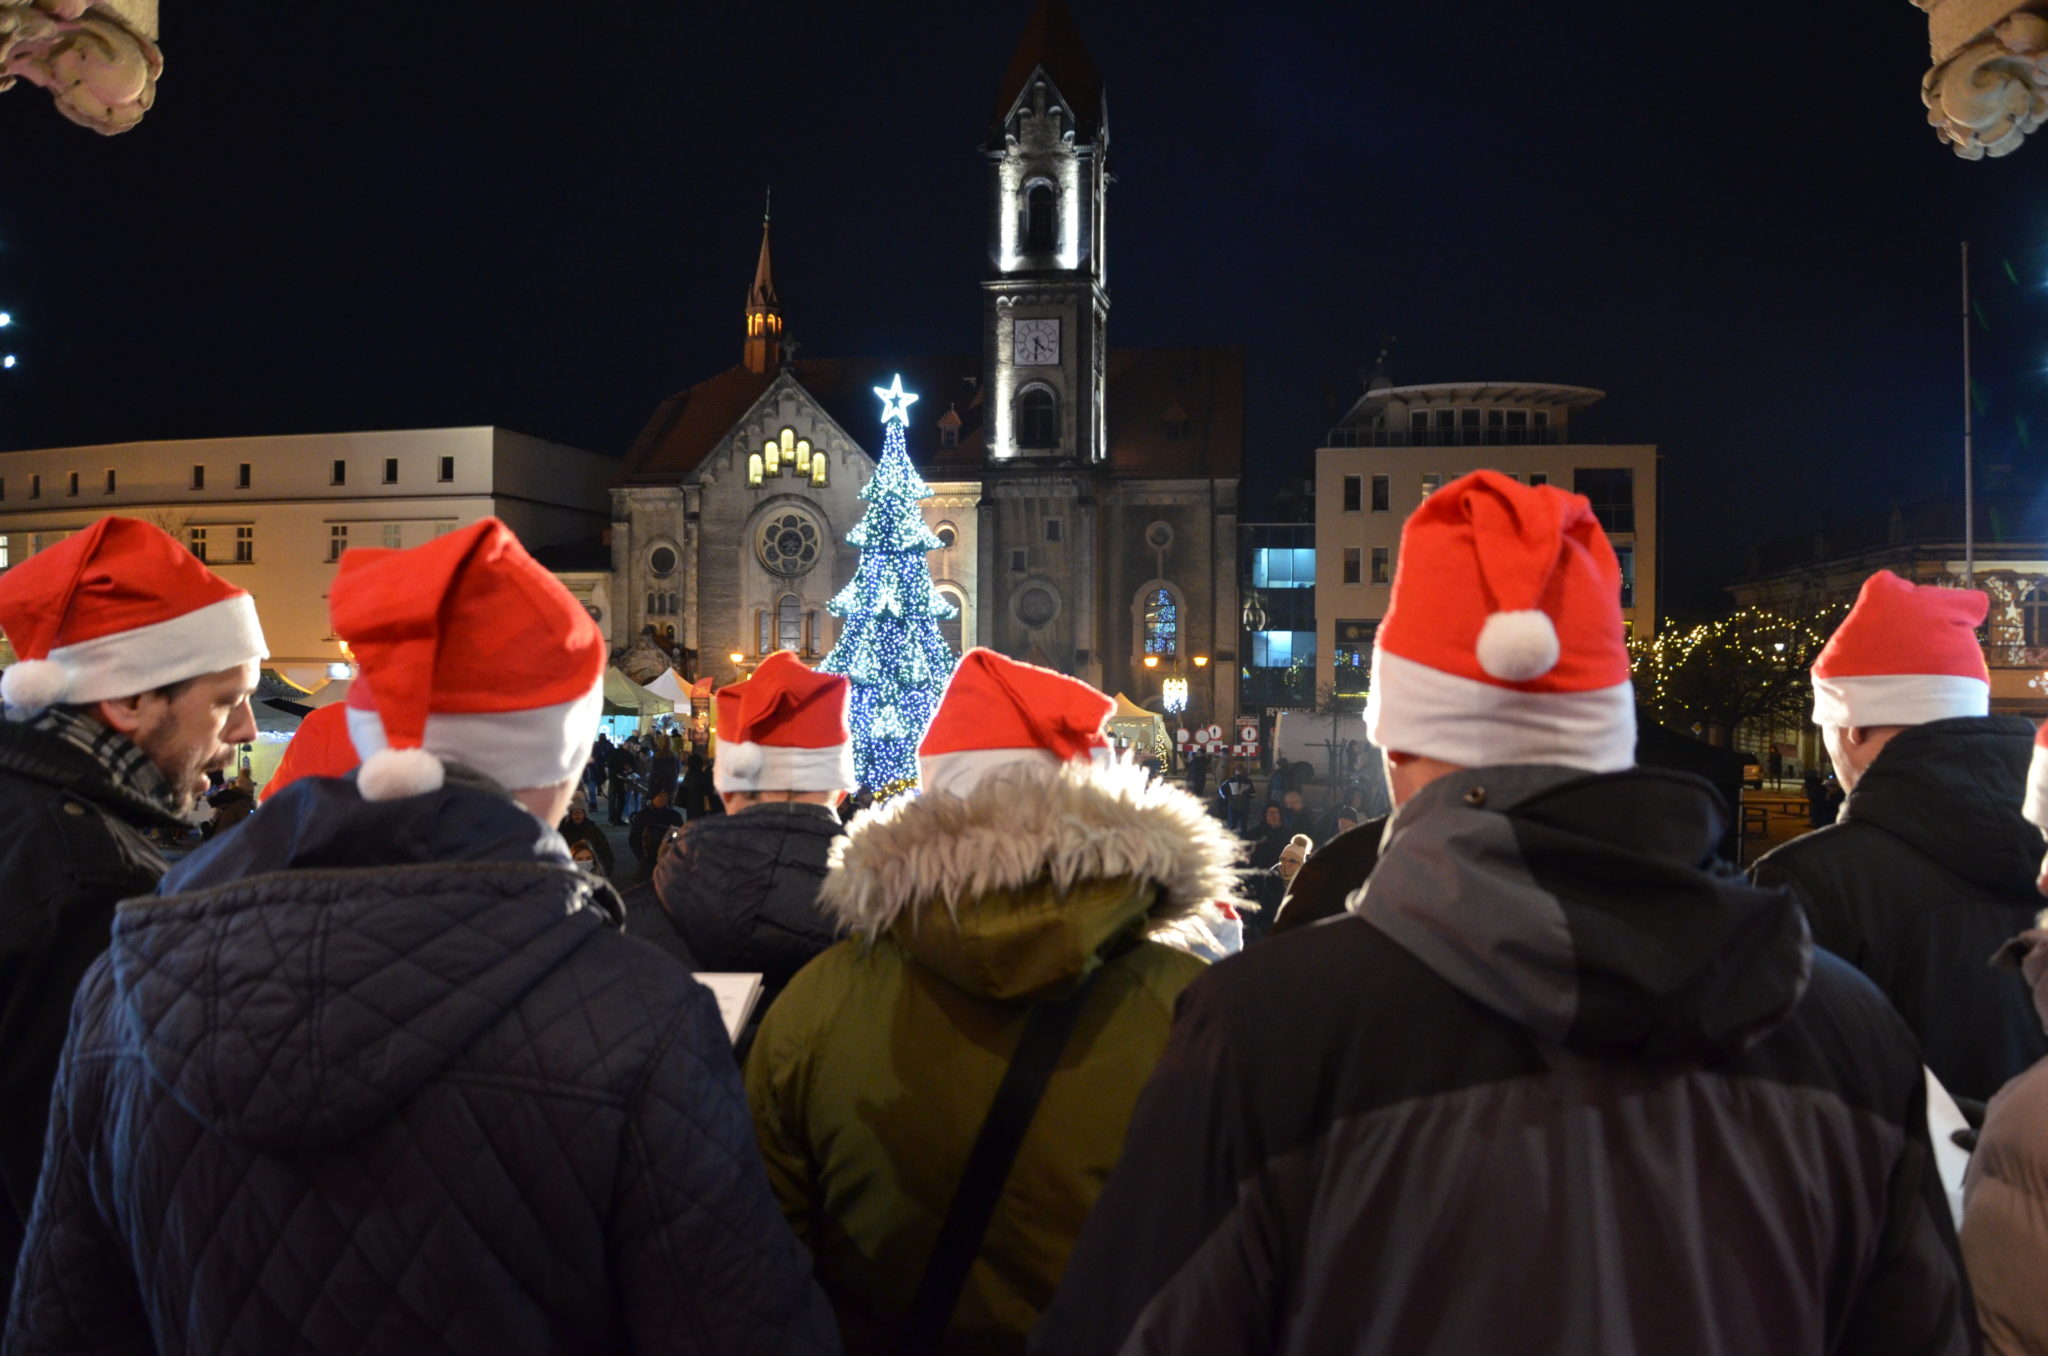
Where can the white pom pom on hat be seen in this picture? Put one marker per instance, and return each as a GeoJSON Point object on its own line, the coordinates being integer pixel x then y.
{"type": "Point", "coordinates": [742, 761]}
{"type": "Point", "coordinates": [1518, 646]}
{"type": "Point", "coordinates": [31, 686]}
{"type": "Point", "coordinates": [394, 774]}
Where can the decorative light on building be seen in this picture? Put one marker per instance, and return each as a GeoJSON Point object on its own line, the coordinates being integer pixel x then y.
{"type": "Point", "coordinates": [1173, 695]}
{"type": "Point", "coordinates": [5, 320]}
{"type": "Point", "coordinates": [7, 361]}
{"type": "Point", "coordinates": [1201, 661]}
{"type": "Point", "coordinates": [1151, 661]}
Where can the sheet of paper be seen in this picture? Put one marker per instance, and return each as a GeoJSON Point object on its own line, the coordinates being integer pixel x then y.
{"type": "Point", "coordinates": [736, 995]}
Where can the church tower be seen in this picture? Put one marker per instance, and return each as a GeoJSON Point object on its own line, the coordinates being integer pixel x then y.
{"type": "Point", "coordinates": [763, 351]}
{"type": "Point", "coordinates": [1045, 301]}
{"type": "Point", "coordinates": [1045, 306]}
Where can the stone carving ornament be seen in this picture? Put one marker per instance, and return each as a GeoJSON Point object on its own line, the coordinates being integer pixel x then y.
{"type": "Point", "coordinates": [1988, 87]}
{"type": "Point", "coordinates": [96, 57]}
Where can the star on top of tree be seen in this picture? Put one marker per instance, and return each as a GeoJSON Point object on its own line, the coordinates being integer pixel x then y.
{"type": "Point", "coordinates": [896, 402]}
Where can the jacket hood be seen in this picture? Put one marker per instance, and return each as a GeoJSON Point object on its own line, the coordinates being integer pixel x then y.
{"type": "Point", "coordinates": [1590, 910]}
{"type": "Point", "coordinates": [1025, 881]}
{"type": "Point", "coordinates": [1953, 789]}
{"type": "Point", "coordinates": [294, 983]}
{"type": "Point", "coordinates": [751, 853]}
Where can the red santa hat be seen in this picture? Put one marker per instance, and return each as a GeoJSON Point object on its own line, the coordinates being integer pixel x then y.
{"type": "Point", "coordinates": [467, 650]}
{"type": "Point", "coordinates": [320, 747]}
{"type": "Point", "coordinates": [1503, 640]}
{"type": "Point", "coordinates": [1906, 654]}
{"type": "Point", "coordinates": [999, 713]}
{"type": "Point", "coordinates": [784, 729]}
{"type": "Point", "coordinates": [118, 609]}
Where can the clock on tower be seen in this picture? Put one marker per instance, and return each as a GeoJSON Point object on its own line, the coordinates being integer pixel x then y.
{"type": "Point", "coordinates": [1036, 343]}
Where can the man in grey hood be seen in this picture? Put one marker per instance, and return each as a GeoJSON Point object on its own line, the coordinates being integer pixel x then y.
{"type": "Point", "coordinates": [1559, 1081]}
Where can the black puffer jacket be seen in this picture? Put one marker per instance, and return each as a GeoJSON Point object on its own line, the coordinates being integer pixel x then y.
{"type": "Point", "coordinates": [1564, 1084]}
{"type": "Point", "coordinates": [1928, 872]}
{"type": "Point", "coordinates": [741, 891]}
{"type": "Point", "coordinates": [385, 1078]}
{"type": "Point", "coordinates": [72, 845]}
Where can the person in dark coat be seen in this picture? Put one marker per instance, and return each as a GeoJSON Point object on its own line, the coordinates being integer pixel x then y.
{"type": "Point", "coordinates": [740, 890]}
{"type": "Point", "coordinates": [378, 1073]}
{"type": "Point", "coordinates": [1931, 866]}
{"type": "Point", "coordinates": [1197, 773]}
{"type": "Point", "coordinates": [620, 772]}
{"type": "Point", "coordinates": [1329, 877]}
{"type": "Point", "coordinates": [662, 768]}
{"type": "Point", "coordinates": [231, 805]}
{"type": "Point", "coordinates": [1633, 1110]}
{"type": "Point", "coordinates": [650, 828]}
{"type": "Point", "coordinates": [101, 748]}
{"type": "Point", "coordinates": [695, 794]}
{"type": "Point", "coordinates": [578, 827]}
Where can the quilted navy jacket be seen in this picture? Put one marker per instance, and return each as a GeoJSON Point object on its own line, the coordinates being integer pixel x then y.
{"type": "Point", "coordinates": [386, 1078]}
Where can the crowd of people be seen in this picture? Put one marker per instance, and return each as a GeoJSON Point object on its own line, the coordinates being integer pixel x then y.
{"type": "Point", "coordinates": [1050, 1055]}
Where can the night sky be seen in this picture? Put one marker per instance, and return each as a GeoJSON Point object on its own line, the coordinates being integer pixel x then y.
{"type": "Point", "coordinates": [1732, 219]}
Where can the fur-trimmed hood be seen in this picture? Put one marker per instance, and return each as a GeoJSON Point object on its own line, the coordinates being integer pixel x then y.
{"type": "Point", "coordinates": [1105, 846]}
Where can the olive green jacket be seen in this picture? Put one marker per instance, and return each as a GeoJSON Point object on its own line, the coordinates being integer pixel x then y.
{"type": "Point", "coordinates": [873, 1071]}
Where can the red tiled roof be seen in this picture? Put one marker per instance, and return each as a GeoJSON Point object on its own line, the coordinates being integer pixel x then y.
{"type": "Point", "coordinates": [1176, 412]}
{"type": "Point", "coordinates": [1053, 40]}
{"type": "Point", "coordinates": [1172, 412]}
{"type": "Point", "coordinates": [685, 428]}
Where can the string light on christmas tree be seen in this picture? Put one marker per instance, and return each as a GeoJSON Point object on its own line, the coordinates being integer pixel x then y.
{"type": "Point", "coordinates": [890, 648]}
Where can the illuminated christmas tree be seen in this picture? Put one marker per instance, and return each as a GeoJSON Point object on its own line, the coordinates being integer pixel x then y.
{"type": "Point", "coordinates": [890, 648]}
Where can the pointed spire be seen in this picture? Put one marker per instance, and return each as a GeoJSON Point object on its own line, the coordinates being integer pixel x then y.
{"type": "Point", "coordinates": [1052, 44]}
{"type": "Point", "coordinates": [763, 350]}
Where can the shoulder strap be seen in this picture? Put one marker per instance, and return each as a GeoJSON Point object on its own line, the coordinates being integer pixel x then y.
{"type": "Point", "coordinates": [988, 1168]}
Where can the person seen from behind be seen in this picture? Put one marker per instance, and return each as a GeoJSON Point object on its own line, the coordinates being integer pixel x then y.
{"type": "Point", "coordinates": [1930, 867]}
{"type": "Point", "coordinates": [739, 891]}
{"type": "Point", "coordinates": [378, 1073]}
{"type": "Point", "coordinates": [1636, 1111]}
{"type": "Point", "coordinates": [939, 1096]}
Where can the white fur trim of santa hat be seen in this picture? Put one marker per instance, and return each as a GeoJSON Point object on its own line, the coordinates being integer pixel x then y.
{"type": "Point", "coordinates": [959, 773]}
{"type": "Point", "coordinates": [2035, 807]}
{"type": "Point", "coordinates": [516, 749]}
{"type": "Point", "coordinates": [207, 639]}
{"type": "Point", "coordinates": [1897, 699]}
{"type": "Point", "coordinates": [1413, 708]}
{"type": "Point", "coordinates": [779, 767]}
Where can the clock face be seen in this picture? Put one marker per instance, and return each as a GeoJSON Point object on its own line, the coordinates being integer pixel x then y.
{"type": "Point", "coordinates": [1036, 343]}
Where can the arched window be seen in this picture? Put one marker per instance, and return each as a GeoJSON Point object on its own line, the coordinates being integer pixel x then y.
{"type": "Point", "coordinates": [1162, 623]}
{"type": "Point", "coordinates": [652, 605]}
{"type": "Point", "coordinates": [1041, 219]}
{"type": "Point", "coordinates": [2034, 617]}
{"type": "Point", "coordinates": [789, 623]}
{"type": "Point", "coordinates": [954, 627]}
{"type": "Point", "coordinates": [1038, 417]}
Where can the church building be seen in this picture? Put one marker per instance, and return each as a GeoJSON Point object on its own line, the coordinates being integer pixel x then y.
{"type": "Point", "coordinates": [1085, 496]}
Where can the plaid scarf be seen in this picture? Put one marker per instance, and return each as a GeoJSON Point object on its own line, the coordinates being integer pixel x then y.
{"type": "Point", "coordinates": [125, 763]}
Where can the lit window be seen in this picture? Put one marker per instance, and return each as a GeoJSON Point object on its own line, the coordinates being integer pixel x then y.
{"type": "Point", "coordinates": [337, 541]}
{"type": "Point", "coordinates": [1162, 623]}
{"type": "Point", "coordinates": [1625, 557]}
{"type": "Point", "coordinates": [753, 468]}
{"type": "Point", "coordinates": [789, 623]}
{"type": "Point", "coordinates": [1352, 563]}
{"type": "Point", "coordinates": [1382, 570]}
{"type": "Point", "coordinates": [1284, 567]}
{"type": "Point", "coordinates": [1431, 482]}
{"type": "Point", "coordinates": [818, 470]}
{"type": "Point", "coordinates": [245, 545]}
{"type": "Point", "coordinates": [764, 625]}
{"type": "Point", "coordinates": [3, 550]}
{"type": "Point", "coordinates": [195, 538]}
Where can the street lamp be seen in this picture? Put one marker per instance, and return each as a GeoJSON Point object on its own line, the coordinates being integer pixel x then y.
{"type": "Point", "coordinates": [1173, 695]}
{"type": "Point", "coordinates": [1151, 661]}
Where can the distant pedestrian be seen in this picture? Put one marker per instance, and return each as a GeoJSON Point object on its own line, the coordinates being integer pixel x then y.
{"type": "Point", "coordinates": [1931, 866]}
{"type": "Point", "coordinates": [578, 827]}
{"type": "Point", "coordinates": [1197, 773]}
{"type": "Point", "coordinates": [662, 767]}
{"type": "Point", "coordinates": [649, 829]}
{"type": "Point", "coordinates": [1816, 798]}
